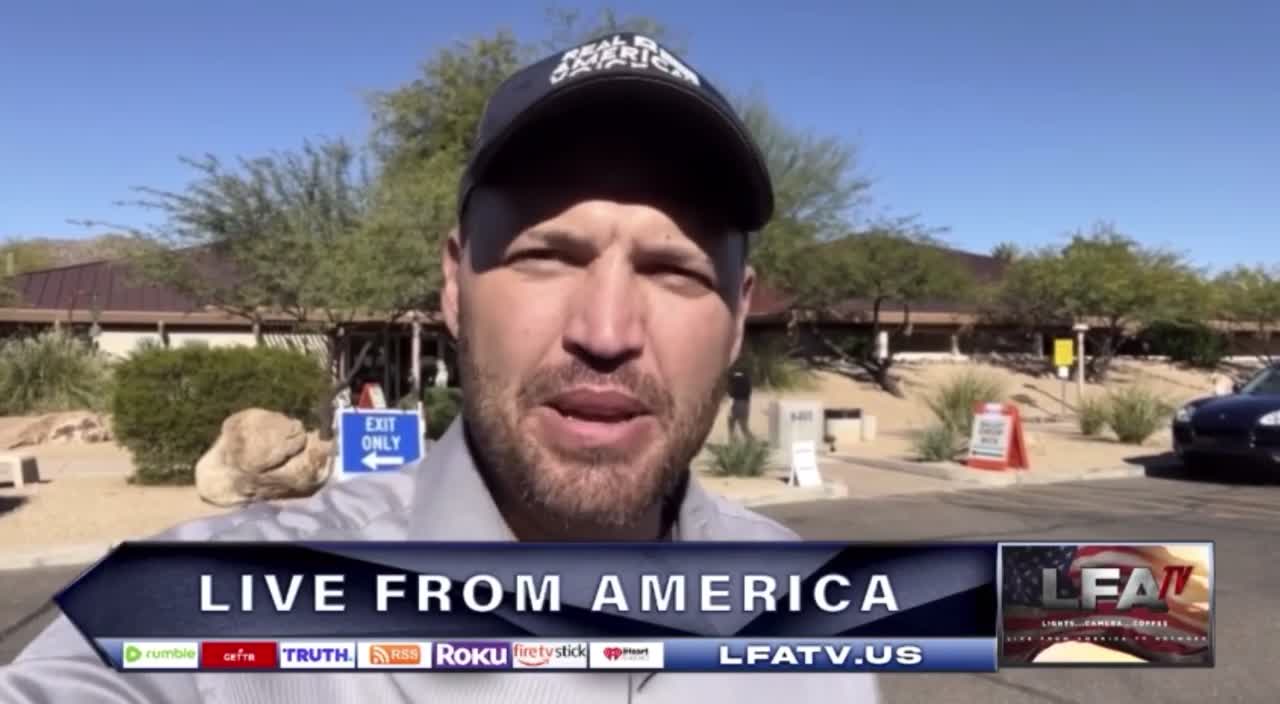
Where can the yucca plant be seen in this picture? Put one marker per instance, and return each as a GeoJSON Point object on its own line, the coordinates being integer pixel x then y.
{"type": "Point", "coordinates": [1093, 416]}
{"type": "Point", "coordinates": [937, 443]}
{"type": "Point", "coordinates": [953, 402]}
{"type": "Point", "coordinates": [1135, 414]}
{"type": "Point", "coordinates": [50, 372]}
{"type": "Point", "coordinates": [740, 457]}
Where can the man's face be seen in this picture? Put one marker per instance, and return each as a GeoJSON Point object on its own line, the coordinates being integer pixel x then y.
{"type": "Point", "coordinates": [595, 323]}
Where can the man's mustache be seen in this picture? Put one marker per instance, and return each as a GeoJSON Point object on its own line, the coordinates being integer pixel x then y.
{"type": "Point", "coordinates": [547, 383]}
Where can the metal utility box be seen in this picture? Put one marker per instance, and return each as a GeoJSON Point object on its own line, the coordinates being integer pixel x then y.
{"type": "Point", "coordinates": [793, 420]}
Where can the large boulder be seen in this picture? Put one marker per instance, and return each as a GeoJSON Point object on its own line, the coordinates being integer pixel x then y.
{"type": "Point", "coordinates": [260, 456]}
{"type": "Point", "coordinates": [64, 428]}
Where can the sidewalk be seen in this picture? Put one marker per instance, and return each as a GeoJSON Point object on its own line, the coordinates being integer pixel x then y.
{"type": "Point", "coordinates": [956, 473]}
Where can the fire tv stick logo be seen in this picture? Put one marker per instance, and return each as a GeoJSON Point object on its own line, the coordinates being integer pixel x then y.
{"type": "Point", "coordinates": [473, 655]}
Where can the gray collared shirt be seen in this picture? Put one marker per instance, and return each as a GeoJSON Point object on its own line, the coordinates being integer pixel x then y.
{"type": "Point", "coordinates": [440, 498]}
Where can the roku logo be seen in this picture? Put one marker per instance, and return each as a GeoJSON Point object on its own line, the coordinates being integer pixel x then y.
{"type": "Point", "coordinates": [1140, 590]}
{"type": "Point", "coordinates": [478, 656]}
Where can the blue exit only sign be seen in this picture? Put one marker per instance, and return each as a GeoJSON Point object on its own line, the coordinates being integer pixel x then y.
{"type": "Point", "coordinates": [372, 441]}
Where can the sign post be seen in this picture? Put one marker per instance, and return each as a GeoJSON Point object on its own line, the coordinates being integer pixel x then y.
{"type": "Point", "coordinates": [375, 441]}
{"type": "Point", "coordinates": [1063, 356]}
{"type": "Point", "coordinates": [1080, 330]}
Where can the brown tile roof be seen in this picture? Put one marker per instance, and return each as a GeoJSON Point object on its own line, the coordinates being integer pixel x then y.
{"type": "Point", "coordinates": [108, 285]}
{"type": "Point", "coordinates": [103, 285]}
{"type": "Point", "coordinates": [112, 288]}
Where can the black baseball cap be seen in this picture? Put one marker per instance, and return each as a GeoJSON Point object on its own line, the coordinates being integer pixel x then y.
{"type": "Point", "coordinates": [630, 82]}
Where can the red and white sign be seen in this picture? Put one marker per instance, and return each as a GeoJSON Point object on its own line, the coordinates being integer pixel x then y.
{"type": "Point", "coordinates": [371, 396]}
{"type": "Point", "coordinates": [997, 441]}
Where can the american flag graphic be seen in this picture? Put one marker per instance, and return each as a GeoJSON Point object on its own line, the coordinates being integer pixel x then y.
{"type": "Point", "coordinates": [1179, 636]}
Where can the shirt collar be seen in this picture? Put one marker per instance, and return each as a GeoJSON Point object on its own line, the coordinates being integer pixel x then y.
{"type": "Point", "coordinates": [451, 501]}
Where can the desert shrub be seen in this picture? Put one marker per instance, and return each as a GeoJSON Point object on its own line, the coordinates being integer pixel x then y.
{"type": "Point", "coordinates": [740, 457]}
{"type": "Point", "coordinates": [169, 404]}
{"type": "Point", "coordinates": [767, 359]}
{"type": "Point", "coordinates": [440, 406]}
{"type": "Point", "coordinates": [1135, 414]}
{"type": "Point", "coordinates": [1192, 343]}
{"type": "Point", "coordinates": [52, 371]}
{"type": "Point", "coordinates": [952, 403]}
{"type": "Point", "coordinates": [1092, 416]}
{"type": "Point", "coordinates": [938, 442]}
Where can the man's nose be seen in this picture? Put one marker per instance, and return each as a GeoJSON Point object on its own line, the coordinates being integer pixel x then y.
{"type": "Point", "coordinates": [607, 321]}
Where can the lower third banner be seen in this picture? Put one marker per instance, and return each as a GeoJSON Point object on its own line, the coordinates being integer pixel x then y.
{"type": "Point", "coordinates": [671, 655]}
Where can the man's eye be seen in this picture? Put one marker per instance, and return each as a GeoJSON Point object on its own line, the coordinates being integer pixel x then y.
{"type": "Point", "coordinates": [538, 255]}
{"type": "Point", "coordinates": [682, 275]}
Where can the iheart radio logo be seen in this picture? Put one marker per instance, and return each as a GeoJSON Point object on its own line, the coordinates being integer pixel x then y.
{"type": "Point", "coordinates": [613, 653]}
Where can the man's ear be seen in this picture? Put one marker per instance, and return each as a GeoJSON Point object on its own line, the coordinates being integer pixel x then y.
{"type": "Point", "coordinates": [744, 308]}
{"type": "Point", "coordinates": [450, 265]}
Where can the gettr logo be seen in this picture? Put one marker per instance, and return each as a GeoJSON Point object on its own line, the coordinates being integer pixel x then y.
{"type": "Point", "coordinates": [160, 655]}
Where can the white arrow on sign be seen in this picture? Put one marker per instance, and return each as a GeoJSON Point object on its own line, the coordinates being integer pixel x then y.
{"type": "Point", "coordinates": [374, 461]}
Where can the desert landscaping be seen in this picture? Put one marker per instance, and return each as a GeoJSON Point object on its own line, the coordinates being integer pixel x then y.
{"type": "Point", "coordinates": [1053, 435]}
{"type": "Point", "coordinates": [84, 495]}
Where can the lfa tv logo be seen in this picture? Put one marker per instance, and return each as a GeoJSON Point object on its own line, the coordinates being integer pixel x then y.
{"type": "Point", "coordinates": [1139, 590]}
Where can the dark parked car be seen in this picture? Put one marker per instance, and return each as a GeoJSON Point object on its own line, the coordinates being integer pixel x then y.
{"type": "Point", "coordinates": [1242, 426]}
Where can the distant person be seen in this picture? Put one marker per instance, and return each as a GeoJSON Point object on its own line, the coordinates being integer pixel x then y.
{"type": "Point", "coordinates": [598, 286]}
{"type": "Point", "coordinates": [740, 404]}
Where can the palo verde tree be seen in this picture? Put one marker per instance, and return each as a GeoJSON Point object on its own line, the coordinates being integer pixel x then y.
{"type": "Point", "coordinates": [1115, 285]}
{"type": "Point", "coordinates": [817, 194]}
{"type": "Point", "coordinates": [1028, 295]}
{"type": "Point", "coordinates": [1104, 279]}
{"type": "Point", "coordinates": [307, 235]}
{"type": "Point", "coordinates": [1249, 296]}
{"type": "Point", "coordinates": [868, 275]}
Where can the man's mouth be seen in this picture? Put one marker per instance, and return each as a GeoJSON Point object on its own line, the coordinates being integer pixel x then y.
{"type": "Point", "coordinates": [596, 406]}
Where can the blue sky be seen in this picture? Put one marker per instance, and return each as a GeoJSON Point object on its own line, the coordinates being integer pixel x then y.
{"type": "Point", "coordinates": [1003, 121]}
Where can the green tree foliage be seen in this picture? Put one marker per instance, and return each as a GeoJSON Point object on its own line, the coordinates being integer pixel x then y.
{"type": "Point", "coordinates": [306, 234]}
{"type": "Point", "coordinates": [871, 271]}
{"type": "Point", "coordinates": [1106, 280]}
{"type": "Point", "coordinates": [816, 189]}
{"type": "Point", "coordinates": [1006, 251]}
{"type": "Point", "coordinates": [1117, 285]}
{"type": "Point", "coordinates": [1249, 296]}
{"type": "Point", "coordinates": [1030, 293]}
{"type": "Point", "coordinates": [169, 404]}
{"type": "Point", "coordinates": [1192, 342]}
{"type": "Point", "coordinates": [18, 256]}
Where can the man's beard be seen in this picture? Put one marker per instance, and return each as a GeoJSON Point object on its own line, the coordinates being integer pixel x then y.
{"type": "Point", "coordinates": [581, 487]}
